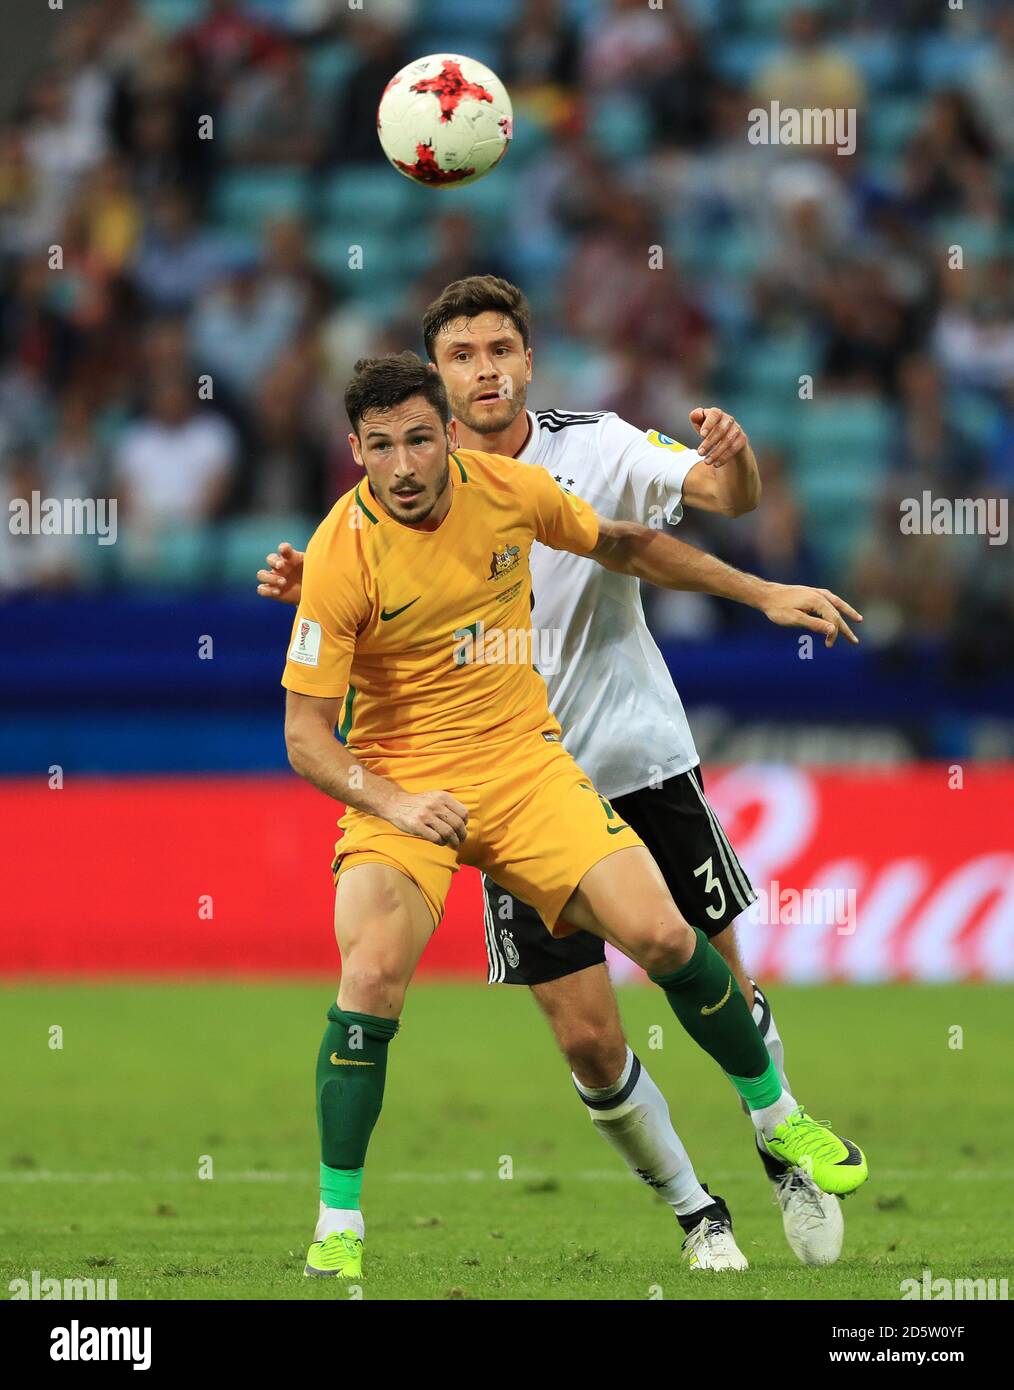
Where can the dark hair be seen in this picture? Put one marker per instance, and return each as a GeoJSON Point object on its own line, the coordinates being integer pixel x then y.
{"type": "Point", "coordinates": [478, 294]}
{"type": "Point", "coordinates": [383, 382]}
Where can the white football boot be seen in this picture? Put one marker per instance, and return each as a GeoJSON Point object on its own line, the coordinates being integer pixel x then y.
{"type": "Point", "coordinates": [812, 1219]}
{"type": "Point", "coordinates": [710, 1244]}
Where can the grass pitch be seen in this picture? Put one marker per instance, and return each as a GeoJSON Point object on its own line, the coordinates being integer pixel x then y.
{"type": "Point", "coordinates": [104, 1139]}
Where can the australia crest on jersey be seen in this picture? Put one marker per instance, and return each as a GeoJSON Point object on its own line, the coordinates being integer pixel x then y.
{"type": "Point", "coordinates": [505, 561]}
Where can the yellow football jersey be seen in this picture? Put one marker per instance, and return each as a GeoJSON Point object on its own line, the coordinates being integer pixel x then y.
{"type": "Point", "coordinates": [427, 634]}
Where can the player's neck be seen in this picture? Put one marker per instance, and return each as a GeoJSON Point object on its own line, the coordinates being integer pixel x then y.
{"type": "Point", "coordinates": [509, 442]}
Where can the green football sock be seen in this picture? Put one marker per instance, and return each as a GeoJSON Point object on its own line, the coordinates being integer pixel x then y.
{"type": "Point", "coordinates": [704, 996]}
{"type": "Point", "coordinates": [351, 1070]}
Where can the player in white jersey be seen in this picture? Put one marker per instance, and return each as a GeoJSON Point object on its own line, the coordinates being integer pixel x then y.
{"type": "Point", "coordinates": [623, 722]}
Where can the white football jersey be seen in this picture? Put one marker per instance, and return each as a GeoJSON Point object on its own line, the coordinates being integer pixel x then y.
{"type": "Point", "coordinates": [609, 686]}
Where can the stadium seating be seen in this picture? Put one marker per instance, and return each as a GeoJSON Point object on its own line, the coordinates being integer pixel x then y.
{"type": "Point", "coordinates": [891, 122]}
{"type": "Point", "coordinates": [256, 536]}
{"type": "Point", "coordinates": [717, 246]}
{"type": "Point", "coordinates": [849, 431]}
{"type": "Point", "coordinates": [839, 453]}
{"type": "Point", "coordinates": [390, 202]}
{"type": "Point", "coordinates": [483, 48]}
{"type": "Point", "coordinates": [944, 61]}
{"type": "Point", "coordinates": [765, 16]}
{"type": "Point", "coordinates": [327, 65]}
{"type": "Point", "coordinates": [878, 59]}
{"type": "Point", "coordinates": [176, 557]}
{"type": "Point", "coordinates": [836, 511]}
{"type": "Point", "coordinates": [975, 417]}
{"type": "Point", "coordinates": [765, 420]}
{"type": "Point", "coordinates": [172, 15]}
{"type": "Point", "coordinates": [384, 256]}
{"type": "Point", "coordinates": [773, 368]}
{"type": "Point", "coordinates": [741, 57]}
{"type": "Point", "coordinates": [621, 127]}
{"type": "Point", "coordinates": [979, 240]}
{"type": "Point", "coordinates": [246, 198]}
{"type": "Point", "coordinates": [487, 22]}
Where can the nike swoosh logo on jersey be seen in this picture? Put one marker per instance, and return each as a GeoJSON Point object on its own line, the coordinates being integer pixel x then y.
{"type": "Point", "coordinates": [386, 617]}
{"type": "Point", "coordinates": [337, 1061]}
{"type": "Point", "coordinates": [714, 1008]}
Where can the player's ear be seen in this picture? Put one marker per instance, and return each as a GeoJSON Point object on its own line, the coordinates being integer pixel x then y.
{"type": "Point", "coordinates": [452, 433]}
{"type": "Point", "coordinates": [354, 446]}
{"type": "Point", "coordinates": [528, 364]}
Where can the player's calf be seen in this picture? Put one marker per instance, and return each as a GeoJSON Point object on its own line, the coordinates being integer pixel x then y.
{"type": "Point", "coordinates": [382, 924]}
{"type": "Point", "coordinates": [623, 1103]}
{"type": "Point", "coordinates": [350, 1079]}
{"type": "Point", "coordinates": [581, 1010]}
{"type": "Point", "coordinates": [703, 994]}
{"type": "Point", "coordinates": [623, 898]}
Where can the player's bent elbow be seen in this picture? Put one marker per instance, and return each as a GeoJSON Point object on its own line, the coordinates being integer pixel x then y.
{"type": "Point", "coordinates": [738, 509]}
{"type": "Point", "coordinates": [755, 496]}
{"type": "Point", "coordinates": [739, 506]}
{"type": "Point", "coordinates": [294, 755]}
{"type": "Point", "coordinates": [296, 748]}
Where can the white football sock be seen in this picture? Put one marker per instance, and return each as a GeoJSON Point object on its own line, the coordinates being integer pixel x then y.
{"type": "Point", "coordinates": [338, 1219]}
{"type": "Point", "coordinates": [767, 1119]}
{"type": "Point", "coordinates": [632, 1116]}
{"type": "Point", "coordinates": [765, 1021]}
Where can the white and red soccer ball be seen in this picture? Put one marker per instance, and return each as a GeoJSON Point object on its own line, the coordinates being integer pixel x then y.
{"type": "Point", "coordinates": [445, 120]}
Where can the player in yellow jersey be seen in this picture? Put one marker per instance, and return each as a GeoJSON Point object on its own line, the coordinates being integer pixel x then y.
{"type": "Point", "coordinates": [413, 631]}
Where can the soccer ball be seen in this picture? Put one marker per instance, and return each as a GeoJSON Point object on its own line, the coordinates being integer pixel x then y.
{"type": "Point", "coordinates": [445, 120]}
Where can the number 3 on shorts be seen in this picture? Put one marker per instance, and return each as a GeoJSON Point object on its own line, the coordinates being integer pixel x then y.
{"type": "Point", "coordinates": [711, 883]}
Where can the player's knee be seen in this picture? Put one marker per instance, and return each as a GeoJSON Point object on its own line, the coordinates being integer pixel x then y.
{"type": "Point", "coordinates": [595, 1050]}
{"type": "Point", "coordinates": [373, 985]}
{"type": "Point", "coordinates": [666, 947]}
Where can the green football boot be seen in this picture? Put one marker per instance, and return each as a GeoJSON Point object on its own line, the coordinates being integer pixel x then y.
{"type": "Point", "coordinates": [835, 1165]}
{"type": "Point", "coordinates": [339, 1254]}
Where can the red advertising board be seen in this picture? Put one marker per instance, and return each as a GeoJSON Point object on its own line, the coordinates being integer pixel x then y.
{"type": "Point", "coordinates": [861, 875]}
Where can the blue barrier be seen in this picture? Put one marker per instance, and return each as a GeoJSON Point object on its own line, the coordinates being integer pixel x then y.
{"type": "Point", "coordinates": [118, 684]}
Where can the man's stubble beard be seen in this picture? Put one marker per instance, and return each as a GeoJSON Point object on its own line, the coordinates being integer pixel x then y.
{"type": "Point", "coordinates": [418, 517]}
{"type": "Point", "coordinates": [488, 425]}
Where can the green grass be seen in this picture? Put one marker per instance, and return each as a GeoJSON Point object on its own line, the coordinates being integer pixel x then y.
{"type": "Point", "coordinates": [102, 1142]}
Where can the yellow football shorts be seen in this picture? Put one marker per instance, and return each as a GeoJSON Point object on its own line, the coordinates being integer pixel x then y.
{"type": "Point", "coordinates": [536, 829]}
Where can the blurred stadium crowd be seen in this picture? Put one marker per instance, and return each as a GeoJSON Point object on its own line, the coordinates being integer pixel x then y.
{"type": "Point", "coordinates": [886, 277]}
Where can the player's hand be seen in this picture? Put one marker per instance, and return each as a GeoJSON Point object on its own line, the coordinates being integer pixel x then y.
{"type": "Point", "coordinates": [722, 437]}
{"type": "Point", "coordinates": [796, 605]}
{"type": "Point", "coordinates": [283, 579]}
{"type": "Point", "coordinates": [434, 816]}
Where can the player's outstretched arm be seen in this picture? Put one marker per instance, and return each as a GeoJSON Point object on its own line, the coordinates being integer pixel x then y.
{"type": "Point", "coordinates": [629, 548]}
{"type": "Point", "coordinates": [283, 579]}
{"type": "Point", "coordinates": [316, 754]}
